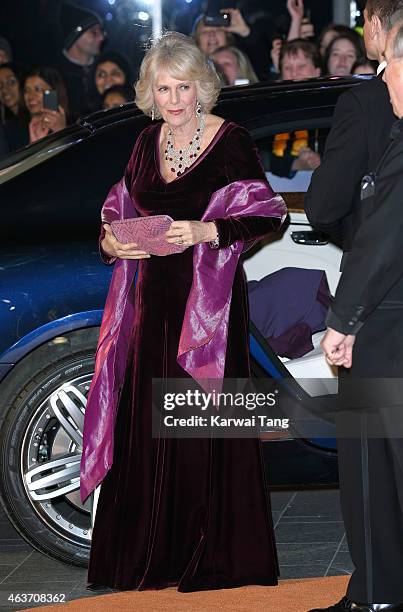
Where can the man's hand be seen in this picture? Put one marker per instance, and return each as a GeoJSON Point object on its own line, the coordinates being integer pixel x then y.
{"type": "Point", "coordinates": [338, 348]}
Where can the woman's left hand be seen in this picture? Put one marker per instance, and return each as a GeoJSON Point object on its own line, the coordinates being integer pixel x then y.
{"type": "Point", "coordinates": [189, 233]}
{"type": "Point", "coordinates": [37, 129]}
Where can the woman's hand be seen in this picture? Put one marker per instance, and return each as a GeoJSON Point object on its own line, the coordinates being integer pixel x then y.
{"type": "Point", "coordinates": [114, 248]}
{"type": "Point", "coordinates": [46, 122]}
{"type": "Point", "coordinates": [189, 233]}
{"type": "Point", "coordinates": [36, 129]}
{"type": "Point", "coordinates": [54, 120]}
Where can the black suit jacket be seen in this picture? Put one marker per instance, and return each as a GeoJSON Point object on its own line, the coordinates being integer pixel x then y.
{"type": "Point", "coordinates": [373, 275]}
{"type": "Point", "coordinates": [359, 136]}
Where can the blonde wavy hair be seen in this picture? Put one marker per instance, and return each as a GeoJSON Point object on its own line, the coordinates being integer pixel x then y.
{"type": "Point", "coordinates": [178, 55]}
{"type": "Point", "coordinates": [246, 70]}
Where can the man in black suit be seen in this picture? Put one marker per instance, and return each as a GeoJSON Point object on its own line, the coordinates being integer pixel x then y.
{"type": "Point", "coordinates": [370, 467]}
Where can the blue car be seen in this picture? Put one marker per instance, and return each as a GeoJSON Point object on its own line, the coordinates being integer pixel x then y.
{"type": "Point", "coordinates": [53, 288]}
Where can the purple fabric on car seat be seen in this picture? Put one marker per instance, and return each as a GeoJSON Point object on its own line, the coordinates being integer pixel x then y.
{"type": "Point", "coordinates": [289, 306]}
{"type": "Point", "coordinates": [293, 343]}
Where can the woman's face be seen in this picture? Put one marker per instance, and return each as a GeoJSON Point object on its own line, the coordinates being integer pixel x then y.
{"type": "Point", "coordinates": [9, 89]}
{"type": "Point", "coordinates": [326, 40]}
{"type": "Point", "coordinates": [228, 64]}
{"type": "Point", "coordinates": [33, 94]}
{"type": "Point", "coordinates": [342, 57]}
{"type": "Point", "coordinates": [175, 99]}
{"type": "Point", "coordinates": [108, 74]}
{"type": "Point", "coordinates": [209, 38]}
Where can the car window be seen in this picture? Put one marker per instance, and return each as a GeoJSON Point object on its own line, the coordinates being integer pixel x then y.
{"type": "Point", "coordinates": [63, 197]}
{"type": "Point", "coordinates": [289, 156]}
{"type": "Point", "coordinates": [297, 244]}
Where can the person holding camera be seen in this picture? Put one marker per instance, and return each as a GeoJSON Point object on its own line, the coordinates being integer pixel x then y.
{"type": "Point", "coordinates": [43, 108]}
{"type": "Point", "coordinates": [228, 27]}
{"type": "Point", "coordinates": [46, 101]}
{"type": "Point", "coordinates": [300, 28]}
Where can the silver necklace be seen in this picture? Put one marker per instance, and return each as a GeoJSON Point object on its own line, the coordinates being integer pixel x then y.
{"type": "Point", "coordinates": [181, 159]}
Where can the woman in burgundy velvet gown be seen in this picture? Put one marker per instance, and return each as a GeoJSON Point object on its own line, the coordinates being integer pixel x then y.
{"type": "Point", "coordinates": [188, 512]}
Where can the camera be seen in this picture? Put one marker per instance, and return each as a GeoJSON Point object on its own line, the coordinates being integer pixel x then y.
{"type": "Point", "coordinates": [217, 20]}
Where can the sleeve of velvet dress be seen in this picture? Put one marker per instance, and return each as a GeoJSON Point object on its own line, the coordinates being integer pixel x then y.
{"type": "Point", "coordinates": [130, 171]}
{"type": "Point", "coordinates": [243, 163]}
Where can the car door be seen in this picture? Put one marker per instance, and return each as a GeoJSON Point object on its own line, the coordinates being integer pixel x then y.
{"type": "Point", "coordinates": [298, 244]}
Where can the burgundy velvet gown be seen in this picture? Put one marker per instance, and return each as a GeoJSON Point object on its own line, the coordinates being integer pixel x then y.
{"type": "Point", "coordinates": [188, 512]}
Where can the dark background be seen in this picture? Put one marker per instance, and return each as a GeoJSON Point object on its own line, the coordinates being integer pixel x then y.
{"type": "Point", "coordinates": [32, 26]}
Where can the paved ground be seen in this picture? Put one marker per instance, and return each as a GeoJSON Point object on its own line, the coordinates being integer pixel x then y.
{"type": "Point", "coordinates": [309, 533]}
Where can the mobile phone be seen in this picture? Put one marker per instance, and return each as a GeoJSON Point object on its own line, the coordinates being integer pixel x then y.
{"type": "Point", "coordinates": [217, 20]}
{"type": "Point", "coordinates": [50, 100]}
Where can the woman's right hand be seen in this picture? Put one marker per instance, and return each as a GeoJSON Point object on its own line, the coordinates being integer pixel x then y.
{"type": "Point", "coordinates": [114, 248]}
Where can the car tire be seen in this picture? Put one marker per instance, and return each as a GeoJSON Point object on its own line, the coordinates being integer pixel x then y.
{"type": "Point", "coordinates": [40, 449]}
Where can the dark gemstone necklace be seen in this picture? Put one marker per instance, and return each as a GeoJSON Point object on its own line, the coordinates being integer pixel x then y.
{"type": "Point", "coordinates": [181, 159]}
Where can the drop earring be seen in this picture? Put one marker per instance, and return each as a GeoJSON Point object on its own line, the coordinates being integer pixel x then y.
{"type": "Point", "coordinates": [198, 109]}
{"type": "Point", "coordinates": [153, 112]}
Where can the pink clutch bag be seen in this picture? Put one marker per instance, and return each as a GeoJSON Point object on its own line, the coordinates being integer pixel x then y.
{"type": "Point", "coordinates": [148, 233]}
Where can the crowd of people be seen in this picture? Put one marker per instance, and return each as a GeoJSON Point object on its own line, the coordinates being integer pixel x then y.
{"type": "Point", "coordinates": [87, 79]}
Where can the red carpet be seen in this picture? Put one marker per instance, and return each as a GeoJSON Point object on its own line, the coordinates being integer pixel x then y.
{"type": "Point", "coordinates": [289, 596]}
